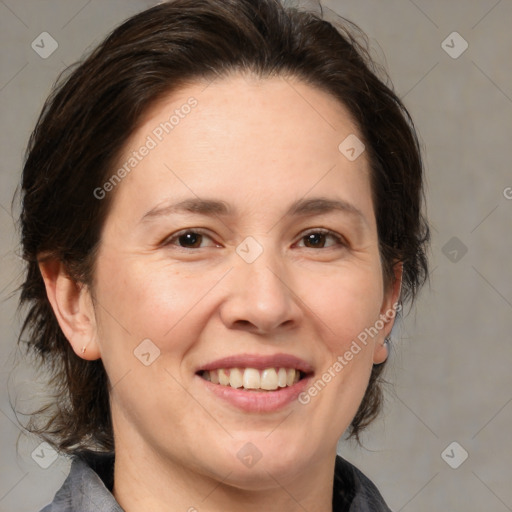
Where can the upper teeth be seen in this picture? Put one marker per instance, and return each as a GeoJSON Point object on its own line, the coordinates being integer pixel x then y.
{"type": "Point", "coordinates": [268, 379]}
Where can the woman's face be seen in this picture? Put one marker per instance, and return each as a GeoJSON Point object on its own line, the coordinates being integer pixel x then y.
{"type": "Point", "coordinates": [241, 237]}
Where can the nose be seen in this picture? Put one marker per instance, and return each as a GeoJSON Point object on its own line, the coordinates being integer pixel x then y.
{"type": "Point", "coordinates": [260, 297]}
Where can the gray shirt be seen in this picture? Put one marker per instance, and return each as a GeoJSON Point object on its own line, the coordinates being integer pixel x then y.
{"type": "Point", "coordinates": [90, 481]}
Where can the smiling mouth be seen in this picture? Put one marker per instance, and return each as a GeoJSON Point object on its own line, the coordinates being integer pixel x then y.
{"type": "Point", "coordinates": [252, 379]}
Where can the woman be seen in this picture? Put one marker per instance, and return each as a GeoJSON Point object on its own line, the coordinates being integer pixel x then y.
{"type": "Point", "coordinates": [221, 219]}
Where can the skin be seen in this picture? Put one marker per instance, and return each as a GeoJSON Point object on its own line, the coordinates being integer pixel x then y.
{"type": "Point", "coordinates": [258, 145]}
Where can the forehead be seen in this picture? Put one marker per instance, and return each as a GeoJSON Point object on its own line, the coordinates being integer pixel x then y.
{"type": "Point", "coordinates": [236, 105]}
{"type": "Point", "coordinates": [243, 137]}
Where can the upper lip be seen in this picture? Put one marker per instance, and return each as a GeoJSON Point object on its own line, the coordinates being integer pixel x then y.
{"type": "Point", "coordinates": [259, 362]}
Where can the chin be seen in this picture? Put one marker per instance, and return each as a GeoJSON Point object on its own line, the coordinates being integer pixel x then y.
{"type": "Point", "coordinates": [254, 465]}
{"type": "Point", "coordinates": [264, 474]}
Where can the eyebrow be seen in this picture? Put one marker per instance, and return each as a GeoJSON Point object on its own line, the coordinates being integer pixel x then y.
{"type": "Point", "coordinates": [301, 207]}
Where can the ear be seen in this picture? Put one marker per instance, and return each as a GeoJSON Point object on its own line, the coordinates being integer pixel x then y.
{"type": "Point", "coordinates": [72, 304]}
{"type": "Point", "coordinates": [390, 307]}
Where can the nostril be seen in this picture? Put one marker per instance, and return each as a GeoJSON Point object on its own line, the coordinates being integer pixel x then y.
{"type": "Point", "coordinates": [243, 323]}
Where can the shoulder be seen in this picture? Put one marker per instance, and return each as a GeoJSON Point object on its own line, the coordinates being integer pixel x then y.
{"type": "Point", "coordinates": [356, 488]}
{"type": "Point", "coordinates": [86, 489]}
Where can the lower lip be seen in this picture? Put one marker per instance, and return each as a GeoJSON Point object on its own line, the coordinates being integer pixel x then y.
{"type": "Point", "coordinates": [254, 401]}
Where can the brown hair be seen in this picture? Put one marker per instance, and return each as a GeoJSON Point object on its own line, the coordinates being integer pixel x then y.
{"type": "Point", "coordinates": [90, 115]}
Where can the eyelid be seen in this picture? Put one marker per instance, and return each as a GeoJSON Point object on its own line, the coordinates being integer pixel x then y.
{"type": "Point", "coordinates": [169, 239]}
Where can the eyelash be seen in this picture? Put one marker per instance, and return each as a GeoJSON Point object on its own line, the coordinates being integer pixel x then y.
{"type": "Point", "coordinates": [338, 238]}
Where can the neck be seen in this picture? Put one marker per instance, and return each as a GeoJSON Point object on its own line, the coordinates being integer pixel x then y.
{"type": "Point", "coordinates": [147, 481]}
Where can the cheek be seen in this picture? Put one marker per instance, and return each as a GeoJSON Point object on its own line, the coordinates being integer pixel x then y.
{"type": "Point", "coordinates": [347, 305]}
{"type": "Point", "coordinates": [136, 297]}
{"type": "Point", "coordinates": [347, 302]}
{"type": "Point", "coordinates": [142, 300]}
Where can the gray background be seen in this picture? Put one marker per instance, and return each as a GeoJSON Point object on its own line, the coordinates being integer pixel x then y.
{"type": "Point", "coordinates": [450, 373]}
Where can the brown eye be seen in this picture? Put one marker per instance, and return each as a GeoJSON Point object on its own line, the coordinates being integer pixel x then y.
{"type": "Point", "coordinates": [190, 239]}
{"type": "Point", "coordinates": [315, 240]}
{"type": "Point", "coordinates": [320, 239]}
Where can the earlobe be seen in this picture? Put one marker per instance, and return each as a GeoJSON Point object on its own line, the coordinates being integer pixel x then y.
{"type": "Point", "coordinates": [72, 305]}
{"type": "Point", "coordinates": [381, 351]}
{"type": "Point", "coordinates": [390, 308]}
